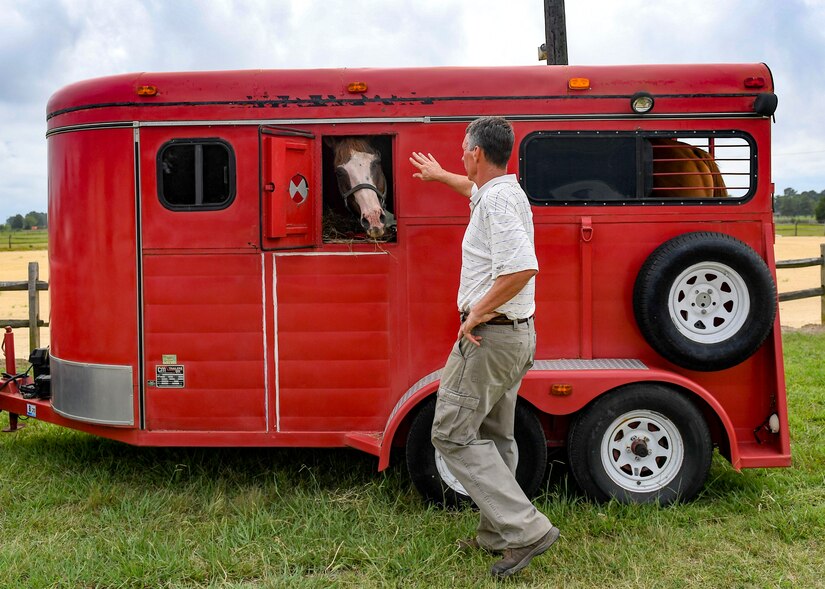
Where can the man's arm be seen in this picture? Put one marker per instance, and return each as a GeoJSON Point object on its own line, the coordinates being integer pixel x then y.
{"type": "Point", "coordinates": [504, 288]}
{"type": "Point", "coordinates": [429, 170]}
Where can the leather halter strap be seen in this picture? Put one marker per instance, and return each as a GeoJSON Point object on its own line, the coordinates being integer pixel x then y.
{"type": "Point", "coordinates": [381, 195]}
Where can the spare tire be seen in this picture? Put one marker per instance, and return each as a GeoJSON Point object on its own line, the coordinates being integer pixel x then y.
{"type": "Point", "coordinates": [705, 301]}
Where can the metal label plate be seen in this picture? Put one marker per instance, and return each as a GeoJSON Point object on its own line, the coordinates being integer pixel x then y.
{"type": "Point", "coordinates": [169, 377]}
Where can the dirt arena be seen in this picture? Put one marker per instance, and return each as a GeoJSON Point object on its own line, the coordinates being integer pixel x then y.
{"type": "Point", "coordinates": [794, 314]}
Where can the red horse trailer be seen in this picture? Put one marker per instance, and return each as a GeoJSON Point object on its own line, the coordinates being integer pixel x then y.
{"type": "Point", "coordinates": [207, 290]}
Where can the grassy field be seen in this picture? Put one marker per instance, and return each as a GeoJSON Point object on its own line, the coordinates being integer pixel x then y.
{"type": "Point", "coordinates": [77, 511]}
{"type": "Point", "coordinates": [24, 240]}
{"type": "Point", "coordinates": [801, 230]}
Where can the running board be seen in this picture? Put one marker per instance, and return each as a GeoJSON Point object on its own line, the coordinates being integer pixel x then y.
{"type": "Point", "coordinates": [598, 364]}
{"type": "Point", "coordinates": [366, 442]}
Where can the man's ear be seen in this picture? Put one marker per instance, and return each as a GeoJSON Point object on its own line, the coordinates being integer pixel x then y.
{"type": "Point", "coordinates": [478, 155]}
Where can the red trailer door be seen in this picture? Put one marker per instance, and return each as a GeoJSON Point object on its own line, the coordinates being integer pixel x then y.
{"type": "Point", "coordinates": [288, 188]}
{"type": "Point", "coordinates": [201, 269]}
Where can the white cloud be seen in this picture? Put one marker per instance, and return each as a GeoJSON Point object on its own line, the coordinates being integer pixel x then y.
{"type": "Point", "coordinates": [48, 44]}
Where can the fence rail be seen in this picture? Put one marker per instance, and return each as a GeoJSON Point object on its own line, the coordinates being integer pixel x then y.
{"type": "Point", "coordinates": [808, 292]}
{"type": "Point", "coordinates": [34, 285]}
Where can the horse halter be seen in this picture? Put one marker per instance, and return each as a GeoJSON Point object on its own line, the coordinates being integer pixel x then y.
{"type": "Point", "coordinates": [382, 196]}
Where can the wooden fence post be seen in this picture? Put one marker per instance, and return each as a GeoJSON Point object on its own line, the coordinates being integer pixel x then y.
{"type": "Point", "coordinates": [34, 306]}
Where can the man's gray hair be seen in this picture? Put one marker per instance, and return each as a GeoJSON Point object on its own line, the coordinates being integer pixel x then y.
{"type": "Point", "coordinates": [495, 137]}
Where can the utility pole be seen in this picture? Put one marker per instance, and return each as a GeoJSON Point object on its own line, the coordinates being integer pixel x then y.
{"type": "Point", "coordinates": [554, 49]}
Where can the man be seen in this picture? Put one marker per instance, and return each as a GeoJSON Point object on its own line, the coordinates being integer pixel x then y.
{"type": "Point", "coordinates": [473, 424]}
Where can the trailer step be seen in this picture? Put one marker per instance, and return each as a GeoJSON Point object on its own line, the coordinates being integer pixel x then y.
{"type": "Point", "coordinates": [365, 441]}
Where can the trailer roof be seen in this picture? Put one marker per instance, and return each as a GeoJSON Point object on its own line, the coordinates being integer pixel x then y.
{"type": "Point", "coordinates": [407, 92]}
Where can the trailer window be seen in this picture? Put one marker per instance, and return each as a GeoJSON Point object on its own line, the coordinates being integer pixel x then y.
{"type": "Point", "coordinates": [196, 174]}
{"type": "Point", "coordinates": [644, 167]}
{"type": "Point", "coordinates": [349, 161]}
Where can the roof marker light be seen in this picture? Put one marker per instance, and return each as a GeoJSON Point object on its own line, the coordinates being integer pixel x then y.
{"type": "Point", "coordinates": [755, 82]}
{"type": "Point", "coordinates": [357, 87]}
{"type": "Point", "coordinates": [578, 83]}
{"type": "Point", "coordinates": [147, 90]}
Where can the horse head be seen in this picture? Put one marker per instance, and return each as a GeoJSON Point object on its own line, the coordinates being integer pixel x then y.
{"type": "Point", "coordinates": [361, 182]}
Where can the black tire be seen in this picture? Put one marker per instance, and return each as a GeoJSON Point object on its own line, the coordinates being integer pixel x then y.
{"type": "Point", "coordinates": [608, 441]}
{"type": "Point", "coordinates": [704, 301]}
{"type": "Point", "coordinates": [421, 457]}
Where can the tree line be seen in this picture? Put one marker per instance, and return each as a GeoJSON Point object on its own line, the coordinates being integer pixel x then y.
{"type": "Point", "coordinates": [790, 204]}
{"type": "Point", "coordinates": [32, 220]}
{"type": "Point", "coordinates": [796, 205]}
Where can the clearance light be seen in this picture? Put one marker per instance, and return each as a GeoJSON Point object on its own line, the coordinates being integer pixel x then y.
{"type": "Point", "coordinates": [561, 390]}
{"type": "Point", "coordinates": [578, 83]}
{"type": "Point", "coordinates": [357, 87]}
{"type": "Point", "coordinates": [641, 102]}
{"type": "Point", "coordinates": [147, 90]}
{"type": "Point", "coordinates": [755, 82]}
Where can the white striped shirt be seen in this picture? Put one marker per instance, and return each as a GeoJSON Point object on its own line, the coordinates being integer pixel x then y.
{"type": "Point", "coordinates": [498, 240]}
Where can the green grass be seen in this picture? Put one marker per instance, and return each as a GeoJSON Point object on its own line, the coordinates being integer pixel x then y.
{"type": "Point", "coordinates": [807, 229]}
{"type": "Point", "coordinates": [24, 240]}
{"type": "Point", "coordinates": [78, 511]}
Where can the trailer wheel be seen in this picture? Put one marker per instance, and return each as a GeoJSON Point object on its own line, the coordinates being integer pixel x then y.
{"type": "Point", "coordinates": [437, 484]}
{"type": "Point", "coordinates": [642, 443]}
{"type": "Point", "coordinates": [704, 301]}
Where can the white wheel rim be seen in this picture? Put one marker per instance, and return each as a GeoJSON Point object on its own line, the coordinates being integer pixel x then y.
{"type": "Point", "coordinates": [709, 302]}
{"type": "Point", "coordinates": [447, 476]}
{"type": "Point", "coordinates": [642, 451]}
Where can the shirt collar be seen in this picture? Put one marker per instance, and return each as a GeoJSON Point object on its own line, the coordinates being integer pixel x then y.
{"type": "Point", "coordinates": [476, 197]}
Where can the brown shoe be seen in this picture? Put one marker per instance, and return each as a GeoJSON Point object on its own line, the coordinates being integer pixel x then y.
{"type": "Point", "coordinates": [516, 559]}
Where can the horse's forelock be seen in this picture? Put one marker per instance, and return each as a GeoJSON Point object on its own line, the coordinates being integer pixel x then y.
{"type": "Point", "coordinates": [345, 147]}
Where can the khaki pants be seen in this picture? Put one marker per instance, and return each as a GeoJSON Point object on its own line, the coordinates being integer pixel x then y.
{"type": "Point", "coordinates": [473, 430]}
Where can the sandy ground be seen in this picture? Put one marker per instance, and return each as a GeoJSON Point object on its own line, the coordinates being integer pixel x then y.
{"type": "Point", "coordinates": [14, 267]}
{"type": "Point", "coordinates": [804, 311]}
{"type": "Point", "coordinates": [795, 314]}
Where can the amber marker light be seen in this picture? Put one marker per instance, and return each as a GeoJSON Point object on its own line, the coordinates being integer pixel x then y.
{"type": "Point", "coordinates": [147, 90]}
{"type": "Point", "coordinates": [561, 390]}
{"type": "Point", "coordinates": [578, 83]}
{"type": "Point", "coordinates": [357, 87]}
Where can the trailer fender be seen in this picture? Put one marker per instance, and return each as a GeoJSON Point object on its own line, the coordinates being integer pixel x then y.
{"type": "Point", "coordinates": [408, 401]}
{"type": "Point", "coordinates": [588, 384]}
{"type": "Point", "coordinates": [605, 381]}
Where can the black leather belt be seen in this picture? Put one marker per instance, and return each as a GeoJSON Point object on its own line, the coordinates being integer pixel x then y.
{"type": "Point", "coordinates": [499, 320]}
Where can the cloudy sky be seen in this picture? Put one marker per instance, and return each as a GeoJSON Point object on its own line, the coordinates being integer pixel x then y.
{"type": "Point", "coordinates": [46, 44]}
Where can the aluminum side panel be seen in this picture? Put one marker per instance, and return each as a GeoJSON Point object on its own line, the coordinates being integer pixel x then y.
{"type": "Point", "coordinates": [95, 393]}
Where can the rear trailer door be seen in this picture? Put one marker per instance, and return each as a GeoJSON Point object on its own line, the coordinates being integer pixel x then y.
{"type": "Point", "coordinates": [203, 344]}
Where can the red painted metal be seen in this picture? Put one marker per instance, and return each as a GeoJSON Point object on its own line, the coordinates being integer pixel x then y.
{"type": "Point", "coordinates": [290, 341]}
{"type": "Point", "coordinates": [8, 350]}
{"type": "Point", "coordinates": [11, 368]}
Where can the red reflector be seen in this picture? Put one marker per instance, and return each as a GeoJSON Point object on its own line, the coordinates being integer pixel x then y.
{"type": "Point", "coordinates": [758, 82]}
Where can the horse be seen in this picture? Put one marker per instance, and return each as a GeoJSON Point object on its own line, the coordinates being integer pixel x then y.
{"type": "Point", "coordinates": [361, 181]}
{"type": "Point", "coordinates": [684, 171]}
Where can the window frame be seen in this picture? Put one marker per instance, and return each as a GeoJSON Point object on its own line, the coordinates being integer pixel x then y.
{"type": "Point", "coordinates": [642, 134]}
{"type": "Point", "coordinates": [231, 171]}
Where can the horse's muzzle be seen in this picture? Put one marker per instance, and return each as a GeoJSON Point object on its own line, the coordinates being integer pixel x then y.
{"type": "Point", "coordinates": [375, 231]}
